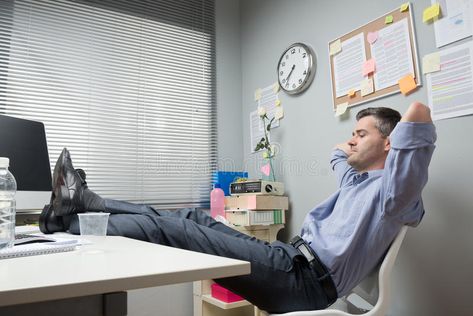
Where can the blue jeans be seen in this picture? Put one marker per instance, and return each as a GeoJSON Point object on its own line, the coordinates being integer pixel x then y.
{"type": "Point", "coordinates": [281, 279]}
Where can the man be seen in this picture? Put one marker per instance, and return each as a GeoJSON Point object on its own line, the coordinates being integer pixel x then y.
{"type": "Point", "coordinates": [381, 172]}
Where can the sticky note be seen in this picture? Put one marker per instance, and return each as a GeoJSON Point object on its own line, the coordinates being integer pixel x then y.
{"type": "Point", "coordinates": [351, 93]}
{"type": "Point", "coordinates": [335, 47]}
{"type": "Point", "coordinates": [407, 84]}
{"type": "Point", "coordinates": [367, 86]}
{"type": "Point", "coordinates": [388, 19]}
{"type": "Point", "coordinates": [431, 13]}
{"type": "Point", "coordinates": [257, 94]}
{"type": "Point", "coordinates": [368, 67]}
{"type": "Point", "coordinates": [278, 102]}
{"type": "Point", "coordinates": [341, 108]}
{"type": "Point", "coordinates": [279, 114]}
{"type": "Point", "coordinates": [372, 37]}
{"type": "Point", "coordinates": [266, 169]}
{"type": "Point", "coordinates": [431, 63]}
{"type": "Point", "coordinates": [276, 87]}
{"type": "Point", "coordinates": [404, 7]}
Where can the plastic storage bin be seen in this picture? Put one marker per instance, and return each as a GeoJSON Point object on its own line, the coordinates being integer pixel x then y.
{"type": "Point", "coordinates": [224, 295]}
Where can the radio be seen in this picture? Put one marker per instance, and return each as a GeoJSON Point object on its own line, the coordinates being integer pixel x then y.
{"type": "Point", "coordinates": [261, 187]}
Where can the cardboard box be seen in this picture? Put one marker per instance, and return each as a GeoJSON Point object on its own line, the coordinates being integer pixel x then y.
{"type": "Point", "coordinates": [257, 202]}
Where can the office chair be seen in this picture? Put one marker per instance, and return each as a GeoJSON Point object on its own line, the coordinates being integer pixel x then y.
{"type": "Point", "coordinates": [375, 297]}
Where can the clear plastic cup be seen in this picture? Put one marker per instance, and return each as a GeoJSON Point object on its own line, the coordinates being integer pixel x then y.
{"type": "Point", "coordinates": [93, 223]}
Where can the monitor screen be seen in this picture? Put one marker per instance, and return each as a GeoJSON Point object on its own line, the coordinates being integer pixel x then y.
{"type": "Point", "coordinates": [24, 142]}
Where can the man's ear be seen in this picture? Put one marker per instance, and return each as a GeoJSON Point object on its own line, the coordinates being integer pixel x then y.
{"type": "Point", "coordinates": [387, 144]}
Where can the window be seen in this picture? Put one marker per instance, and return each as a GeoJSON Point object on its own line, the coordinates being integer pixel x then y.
{"type": "Point", "coordinates": [127, 86]}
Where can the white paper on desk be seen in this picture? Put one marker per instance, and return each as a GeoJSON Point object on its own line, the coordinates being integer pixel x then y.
{"type": "Point", "coordinates": [348, 65]}
{"type": "Point", "coordinates": [392, 53]}
{"type": "Point", "coordinates": [268, 101]}
{"type": "Point", "coordinates": [455, 22]}
{"type": "Point", "coordinates": [450, 90]}
{"type": "Point", "coordinates": [34, 249]}
{"type": "Point", "coordinates": [256, 130]}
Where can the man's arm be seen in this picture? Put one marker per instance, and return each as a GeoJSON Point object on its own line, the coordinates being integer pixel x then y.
{"type": "Point", "coordinates": [343, 171]}
{"type": "Point", "coordinates": [406, 169]}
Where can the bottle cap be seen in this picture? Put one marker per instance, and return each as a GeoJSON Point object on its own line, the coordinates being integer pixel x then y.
{"type": "Point", "coordinates": [4, 162]}
{"type": "Point", "coordinates": [217, 185]}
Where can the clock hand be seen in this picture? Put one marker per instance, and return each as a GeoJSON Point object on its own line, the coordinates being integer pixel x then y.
{"type": "Point", "coordinates": [290, 72]}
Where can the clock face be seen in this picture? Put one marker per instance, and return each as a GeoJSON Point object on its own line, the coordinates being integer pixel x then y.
{"type": "Point", "coordinates": [296, 68]}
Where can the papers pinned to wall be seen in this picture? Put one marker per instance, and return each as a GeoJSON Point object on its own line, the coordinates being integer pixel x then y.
{"type": "Point", "coordinates": [450, 90]}
{"type": "Point", "coordinates": [455, 23]}
{"type": "Point", "coordinates": [374, 58]}
{"type": "Point", "coordinates": [268, 99]}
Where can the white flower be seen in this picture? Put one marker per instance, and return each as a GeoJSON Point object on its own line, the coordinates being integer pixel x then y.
{"type": "Point", "coordinates": [261, 111]}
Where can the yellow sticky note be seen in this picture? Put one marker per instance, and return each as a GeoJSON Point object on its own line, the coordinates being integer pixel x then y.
{"type": "Point", "coordinates": [257, 94]}
{"type": "Point", "coordinates": [335, 47]}
{"type": "Point", "coordinates": [351, 93]}
{"type": "Point", "coordinates": [367, 86]}
{"type": "Point", "coordinates": [388, 19]}
{"type": "Point", "coordinates": [407, 84]}
{"type": "Point", "coordinates": [368, 67]}
{"type": "Point", "coordinates": [431, 63]}
{"type": "Point", "coordinates": [278, 102]}
{"type": "Point", "coordinates": [279, 114]}
{"type": "Point", "coordinates": [341, 108]}
{"type": "Point", "coordinates": [404, 7]}
{"type": "Point", "coordinates": [431, 13]}
{"type": "Point", "coordinates": [276, 87]}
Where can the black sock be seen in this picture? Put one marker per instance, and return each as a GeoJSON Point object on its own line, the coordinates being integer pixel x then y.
{"type": "Point", "coordinates": [93, 202]}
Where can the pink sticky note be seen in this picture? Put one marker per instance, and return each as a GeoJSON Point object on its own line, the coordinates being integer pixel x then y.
{"type": "Point", "coordinates": [266, 169]}
{"type": "Point", "coordinates": [368, 67]}
{"type": "Point", "coordinates": [372, 37]}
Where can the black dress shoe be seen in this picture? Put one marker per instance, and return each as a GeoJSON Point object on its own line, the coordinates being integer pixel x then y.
{"type": "Point", "coordinates": [50, 223]}
{"type": "Point", "coordinates": [68, 186]}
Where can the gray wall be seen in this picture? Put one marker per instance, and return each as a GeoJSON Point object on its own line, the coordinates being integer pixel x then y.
{"type": "Point", "coordinates": [433, 275]}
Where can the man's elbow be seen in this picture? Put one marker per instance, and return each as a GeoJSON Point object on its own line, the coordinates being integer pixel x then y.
{"type": "Point", "coordinates": [417, 112]}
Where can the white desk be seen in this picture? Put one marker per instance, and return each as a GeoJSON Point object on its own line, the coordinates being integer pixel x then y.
{"type": "Point", "coordinates": [110, 264]}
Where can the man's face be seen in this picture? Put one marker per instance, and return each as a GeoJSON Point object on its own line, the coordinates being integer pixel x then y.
{"type": "Point", "coordinates": [369, 147]}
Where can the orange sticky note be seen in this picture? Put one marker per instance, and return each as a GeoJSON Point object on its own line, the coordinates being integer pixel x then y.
{"type": "Point", "coordinates": [368, 67]}
{"type": "Point", "coordinates": [407, 84]}
{"type": "Point", "coordinates": [351, 93]}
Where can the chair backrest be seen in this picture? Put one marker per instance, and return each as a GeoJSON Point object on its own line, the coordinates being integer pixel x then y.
{"type": "Point", "coordinates": [375, 289]}
{"type": "Point", "coordinates": [378, 294]}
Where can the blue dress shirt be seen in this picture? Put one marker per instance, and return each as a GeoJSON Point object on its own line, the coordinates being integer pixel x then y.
{"type": "Point", "coordinates": [353, 228]}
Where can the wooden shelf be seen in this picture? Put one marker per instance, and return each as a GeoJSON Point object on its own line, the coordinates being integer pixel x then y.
{"type": "Point", "coordinates": [223, 305]}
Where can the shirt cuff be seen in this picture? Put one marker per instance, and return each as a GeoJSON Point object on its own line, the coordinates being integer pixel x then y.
{"type": "Point", "coordinates": [411, 135]}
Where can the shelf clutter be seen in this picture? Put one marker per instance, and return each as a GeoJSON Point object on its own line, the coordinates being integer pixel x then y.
{"type": "Point", "coordinates": [260, 216]}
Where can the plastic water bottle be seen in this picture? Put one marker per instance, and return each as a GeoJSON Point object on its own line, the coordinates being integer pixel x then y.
{"type": "Point", "coordinates": [217, 202]}
{"type": "Point", "coordinates": [7, 204]}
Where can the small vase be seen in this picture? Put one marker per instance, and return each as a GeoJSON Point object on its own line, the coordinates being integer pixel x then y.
{"type": "Point", "coordinates": [268, 176]}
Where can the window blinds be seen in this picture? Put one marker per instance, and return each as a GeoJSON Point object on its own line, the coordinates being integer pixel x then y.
{"type": "Point", "coordinates": [127, 86]}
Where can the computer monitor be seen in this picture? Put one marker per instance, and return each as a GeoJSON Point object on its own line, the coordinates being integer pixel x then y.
{"type": "Point", "coordinates": [24, 142]}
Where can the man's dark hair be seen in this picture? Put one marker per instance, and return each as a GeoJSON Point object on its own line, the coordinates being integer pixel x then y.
{"type": "Point", "coordinates": [386, 118]}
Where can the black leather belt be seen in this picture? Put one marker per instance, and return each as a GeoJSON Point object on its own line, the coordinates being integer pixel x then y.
{"type": "Point", "coordinates": [323, 274]}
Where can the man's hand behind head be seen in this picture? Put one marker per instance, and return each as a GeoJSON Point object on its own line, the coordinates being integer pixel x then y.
{"type": "Point", "coordinates": [345, 147]}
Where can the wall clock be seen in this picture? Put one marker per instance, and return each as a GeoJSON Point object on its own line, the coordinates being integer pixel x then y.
{"type": "Point", "coordinates": [296, 68]}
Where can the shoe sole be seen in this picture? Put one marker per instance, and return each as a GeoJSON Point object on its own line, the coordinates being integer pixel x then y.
{"type": "Point", "coordinates": [62, 203]}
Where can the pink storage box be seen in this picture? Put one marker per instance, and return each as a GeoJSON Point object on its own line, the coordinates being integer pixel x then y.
{"type": "Point", "coordinates": [224, 295]}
